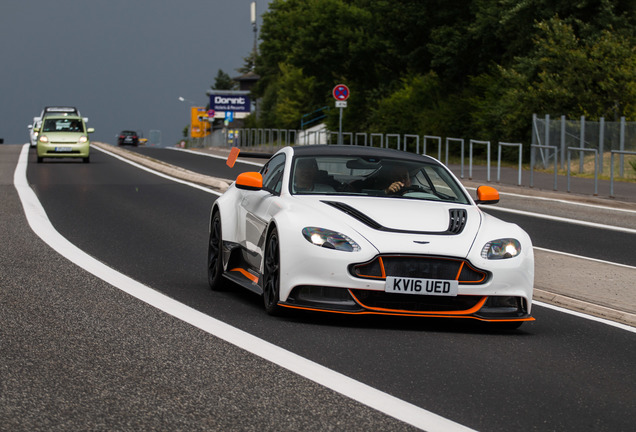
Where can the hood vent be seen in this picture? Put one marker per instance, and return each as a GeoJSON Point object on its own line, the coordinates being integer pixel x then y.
{"type": "Point", "coordinates": [457, 220]}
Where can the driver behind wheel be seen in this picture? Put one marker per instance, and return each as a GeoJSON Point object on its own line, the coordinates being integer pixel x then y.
{"type": "Point", "coordinates": [399, 179]}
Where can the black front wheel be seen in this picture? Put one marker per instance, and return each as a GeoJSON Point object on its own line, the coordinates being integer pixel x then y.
{"type": "Point", "coordinates": [271, 274]}
{"type": "Point", "coordinates": [215, 258]}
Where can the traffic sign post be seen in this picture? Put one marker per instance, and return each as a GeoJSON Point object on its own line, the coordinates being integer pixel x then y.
{"type": "Point", "coordinates": [340, 94]}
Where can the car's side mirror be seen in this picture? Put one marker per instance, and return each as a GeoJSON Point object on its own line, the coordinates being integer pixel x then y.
{"type": "Point", "coordinates": [90, 130]}
{"type": "Point", "coordinates": [250, 181]}
{"type": "Point", "coordinates": [487, 195]}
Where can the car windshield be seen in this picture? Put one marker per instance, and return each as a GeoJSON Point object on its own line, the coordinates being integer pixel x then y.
{"type": "Point", "coordinates": [62, 125]}
{"type": "Point", "coordinates": [378, 177]}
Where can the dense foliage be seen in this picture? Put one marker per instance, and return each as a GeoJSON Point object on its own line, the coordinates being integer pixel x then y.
{"type": "Point", "coordinates": [464, 68]}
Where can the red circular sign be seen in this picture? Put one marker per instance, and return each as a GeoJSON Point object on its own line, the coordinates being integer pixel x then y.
{"type": "Point", "coordinates": [341, 92]}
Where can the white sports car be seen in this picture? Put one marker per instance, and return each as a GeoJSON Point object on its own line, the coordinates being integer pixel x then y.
{"type": "Point", "coordinates": [362, 230]}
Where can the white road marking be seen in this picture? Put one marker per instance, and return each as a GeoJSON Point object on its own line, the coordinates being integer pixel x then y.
{"type": "Point", "coordinates": [160, 174]}
{"type": "Point", "coordinates": [566, 220]}
{"type": "Point", "coordinates": [213, 156]}
{"type": "Point", "coordinates": [585, 258]}
{"type": "Point", "coordinates": [562, 201]}
{"type": "Point", "coordinates": [582, 315]}
{"type": "Point", "coordinates": [367, 395]}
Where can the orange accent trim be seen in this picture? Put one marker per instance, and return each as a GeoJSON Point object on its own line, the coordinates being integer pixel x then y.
{"type": "Point", "coordinates": [472, 310]}
{"type": "Point", "coordinates": [461, 266]}
{"type": "Point", "coordinates": [247, 274]}
{"type": "Point", "coordinates": [231, 159]}
{"type": "Point", "coordinates": [405, 314]}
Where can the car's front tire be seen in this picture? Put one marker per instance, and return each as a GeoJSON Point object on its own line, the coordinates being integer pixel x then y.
{"type": "Point", "coordinates": [215, 257]}
{"type": "Point", "coordinates": [271, 274]}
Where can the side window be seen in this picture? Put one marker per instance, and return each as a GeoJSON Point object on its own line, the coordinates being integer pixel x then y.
{"type": "Point", "coordinates": [273, 174]}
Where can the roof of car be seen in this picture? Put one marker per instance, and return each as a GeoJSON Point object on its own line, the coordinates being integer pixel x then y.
{"type": "Point", "coordinates": [353, 150]}
{"type": "Point", "coordinates": [60, 109]}
{"type": "Point", "coordinates": [63, 116]}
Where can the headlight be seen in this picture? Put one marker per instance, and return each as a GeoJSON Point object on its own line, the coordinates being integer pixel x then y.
{"type": "Point", "coordinates": [83, 139]}
{"type": "Point", "coordinates": [501, 249]}
{"type": "Point", "coordinates": [330, 239]}
{"type": "Point", "coordinates": [44, 139]}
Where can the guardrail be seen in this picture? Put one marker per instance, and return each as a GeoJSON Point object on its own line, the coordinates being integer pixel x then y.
{"type": "Point", "coordinates": [436, 146]}
{"type": "Point", "coordinates": [612, 153]}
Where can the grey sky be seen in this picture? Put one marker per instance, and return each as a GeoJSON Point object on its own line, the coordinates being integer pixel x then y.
{"type": "Point", "coordinates": [123, 63]}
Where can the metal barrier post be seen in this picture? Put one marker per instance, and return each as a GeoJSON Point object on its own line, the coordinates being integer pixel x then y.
{"type": "Point", "coordinates": [439, 145]}
{"type": "Point", "coordinates": [621, 153]}
{"type": "Point", "coordinates": [621, 165]}
{"type": "Point", "coordinates": [532, 147]}
{"type": "Point", "coordinates": [470, 158]}
{"type": "Point", "coordinates": [393, 136]}
{"type": "Point", "coordinates": [581, 150]}
{"type": "Point", "coordinates": [461, 141]}
{"type": "Point", "coordinates": [601, 143]}
{"type": "Point", "coordinates": [365, 138]}
{"type": "Point", "coordinates": [417, 143]}
{"type": "Point", "coordinates": [582, 145]}
{"type": "Point", "coordinates": [376, 134]}
{"type": "Point", "coordinates": [350, 135]}
{"type": "Point", "coordinates": [501, 144]}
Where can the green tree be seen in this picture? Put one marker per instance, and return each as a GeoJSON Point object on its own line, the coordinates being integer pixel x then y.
{"type": "Point", "coordinates": [223, 81]}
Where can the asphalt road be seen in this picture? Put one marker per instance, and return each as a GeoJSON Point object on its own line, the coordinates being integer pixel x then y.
{"type": "Point", "coordinates": [103, 359]}
{"type": "Point", "coordinates": [588, 241]}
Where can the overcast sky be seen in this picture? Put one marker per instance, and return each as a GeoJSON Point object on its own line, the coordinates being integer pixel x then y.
{"type": "Point", "coordinates": [123, 63]}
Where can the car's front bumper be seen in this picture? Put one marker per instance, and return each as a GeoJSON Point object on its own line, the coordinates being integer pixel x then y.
{"type": "Point", "coordinates": [63, 150]}
{"type": "Point", "coordinates": [500, 292]}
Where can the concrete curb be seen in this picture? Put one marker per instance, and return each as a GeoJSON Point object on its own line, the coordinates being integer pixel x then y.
{"type": "Point", "coordinates": [585, 307]}
{"type": "Point", "coordinates": [219, 185]}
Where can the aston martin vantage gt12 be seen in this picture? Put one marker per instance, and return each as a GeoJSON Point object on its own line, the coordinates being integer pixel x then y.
{"type": "Point", "coordinates": [362, 230]}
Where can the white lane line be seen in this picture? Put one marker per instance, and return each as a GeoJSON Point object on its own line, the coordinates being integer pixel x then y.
{"type": "Point", "coordinates": [566, 220]}
{"type": "Point", "coordinates": [155, 172]}
{"type": "Point", "coordinates": [362, 393]}
{"type": "Point", "coordinates": [563, 201]}
{"type": "Point", "coordinates": [214, 156]}
{"type": "Point", "coordinates": [584, 257]}
{"type": "Point", "coordinates": [582, 315]}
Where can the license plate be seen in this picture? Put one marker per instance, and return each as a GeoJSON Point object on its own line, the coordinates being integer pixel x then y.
{"type": "Point", "coordinates": [436, 287]}
{"type": "Point", "coordinates": [63, 149]}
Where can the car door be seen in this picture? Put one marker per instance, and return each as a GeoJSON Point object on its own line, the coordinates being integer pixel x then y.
{"type": "Point", "coordinates": [255, 207]}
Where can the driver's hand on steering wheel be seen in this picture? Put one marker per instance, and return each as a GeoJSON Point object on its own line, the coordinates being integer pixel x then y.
{"type": "Point", "coordinates": [394, 187]}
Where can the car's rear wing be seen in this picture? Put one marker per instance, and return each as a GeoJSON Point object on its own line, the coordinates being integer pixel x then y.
{"type": "Point", "coordinates": [234, 153]}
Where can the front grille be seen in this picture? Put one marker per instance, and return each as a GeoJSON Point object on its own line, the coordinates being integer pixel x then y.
{"type": "Point", "coordinates": [422, 267]}
{"type": "Point", "coordinates": [62, 153]}
{"type": "Point", "coordinates": [382, 301]}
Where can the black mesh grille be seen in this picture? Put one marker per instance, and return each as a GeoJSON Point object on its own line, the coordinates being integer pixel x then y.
{"type": "Point", "coordinates": [423, 267]}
